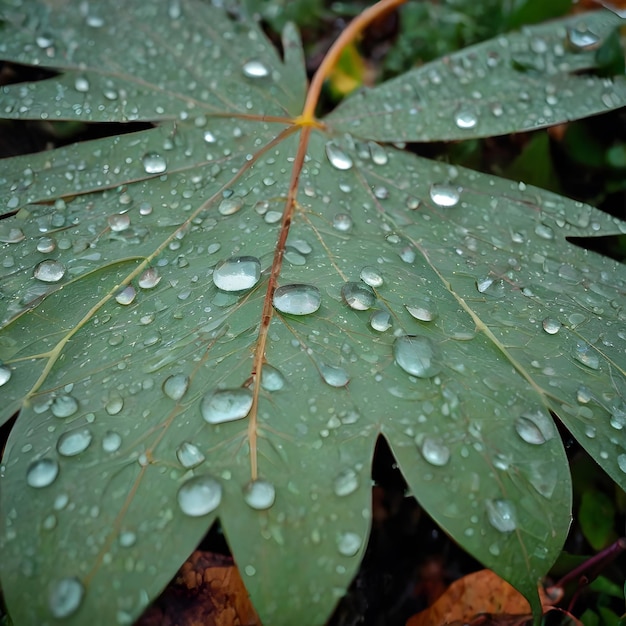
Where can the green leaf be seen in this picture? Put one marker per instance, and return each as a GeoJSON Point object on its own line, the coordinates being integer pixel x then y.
{"type": "Point", "coordinates": [596, 514]}
{"type": "Point", "coordinates": [183, 341]}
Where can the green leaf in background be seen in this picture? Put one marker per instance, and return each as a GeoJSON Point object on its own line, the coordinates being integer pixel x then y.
{"type": "Point", "coordinates": [596, 514]}
{"type": "Point", "coordinates": [219, 315]}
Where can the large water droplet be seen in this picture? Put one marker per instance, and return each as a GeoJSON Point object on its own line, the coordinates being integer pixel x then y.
{"type": "Point", "coordinates": [586, 355]}
{"type": "Point", "coordinates": [189, 455]}
{"type": "Point", "coordinates": [371, 276]}
{"type": "Point", "coordinates": [230, 205]}
{"type": "Point", "coordinates": [444, 194]}
{"type": "Point", "coordinates": [175, 386]}
{"type": "Point", "coordinates": [465, 118]}
{"type": "Point", "coordinates": [226, 405]}
{"type": "Point", "coordinates": [348, 543]}
{"type": "Point", "coordinates": [416, 356]}
{"type": "Point", "coordinates": [49, 271]}
{"type": "Point", "coordinates": [297, 299]}
{"type": "Point", "coordinates": [337, 157]}
{"type": "Point", "coordinates": [5, 375]}
{"type": "Point", "coordinates": [237, 273]}
{"type": "Point", "coordinates": [154, 163]}
{"type": "Point", "coordinates": [42, 472]}
{"type": "Point", "coordinates": [380, 321]}
{"type": "Point", "coordinates": [65, 597]}
{"type": "Point", "coordinates": [126, 295]}
{"type": "Point", "coordinates": [119, 222]}
{"type": "Point", "coordinates": [259, 494]}
{"type": "Point", "coordinates": [342, 222]}
{"type": "Point", "coordinates": [199, 496]}
{"type": "Point", "coordinates": [74, 442]}
{"type": "Point", "coordinates": [111, 441]}
{"type": "Point", "coordinates": [334, 376]}
{"type": "Point", "coordinates": [255, 69]}
{"type": "Point", "coordinates": [423, 309]}
{"type": "Point", "coordinates": [582, 38]}
{"type": "Point", "coordinates": [535, 427]}
{"type": "Point", "coordinates": [149, 278]}
{"type": "Point", "coordinates": [378, 153]}
{"type": "Point", "coordinates": [358, 296]}
{"type": "Point", "coordinates": [551, 325]}
{"type": "Point", "coordinates": [346, 482]}
{"type": "Point", "coordinates": [435, 452]}
{"type": "Point", "coordinates": [272, 379]}
{"type": "Point", "coordinates": [501, 515]}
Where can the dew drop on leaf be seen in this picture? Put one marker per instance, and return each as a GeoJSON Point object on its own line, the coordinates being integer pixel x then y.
{"type": "Point", "coordinates": [114, 405]}
{"type": "Point", "coordinates": [127, 538]}
{"type": "Point", "coordinates": [337, 157]}
{"type": "Point", "coordinates": [255, 69]}
{"type": "Point", "coordinates": [118, 222]}
{"type": "Point", "coordinates": [230, 206]}
{"type": "Point", "coordinates": [126, 295]}
{"type": "Point", "coordinates": [226, 405]}
{"type": "Point", "coordinates": [535, 427]}
{"type": "Point", "coordinates": [582, 38]}
{"type": "Point", "coordinates": [12, 235]}
{"type": "Point", "coordinates": [66, 595]}
{"type": "Point", "coordinates": [5, 375]}
{"type": "Point", "coordinates": [346, 482]}
{"type": "Point", "coordinates": [501, 515]}
{"type": "Point", "coordinates": [435, 452]}
{"type": "Point", "coordinates": [416, 356]}
{"type": "Point", "coordinates": [154, 163]}
{"type": "Point", "coordinates": [348, 543]}
{"type": "Point", "coordinates": [237, 273]}
{"type": "Point", "coordinates": [342, 222]}
{"type": "Point", "coordinates": [199, 496]}
{"type": "Point", "coordinates": [259, 494]}
{"type": "Point", "coordinates": [42, 472]}
{"type": "Point", "coordinates": [444, 194]}
{"type": "Point", "coordinates": [544, 232]}
{"type": "Point", "coordinates": [272, 379]}
{"type": "Point", "coordinates": [584, 354]}
{"type": "Point", "coordinates": [380, 321]}
{"type": "Point", "coordinates": [111, 441]}
{"type": "Point", "coordinates": [621, 462]}
{"type": "Point", "coordinates": [209, 137]}
{"type": "Point", "coordinates": [175, 386]}
{"type": "Point", "coordinates": [149, 278]}
{"type": "Point", "coordinates": [46, 245]}
{"type": "Point", "coordinates": [422, 309]}
{"type": "Point", "coordinates": [465, 119]}
{"type": "Point", "coordinates": [49, 271]}
{"type": "Point", "coordinates": [297, 299]}
{"type": "Point", "coordinates": [358, 296]}
{"type": "Point", "coordinates": [371, 276]}
{"type": "Point", "coordinates": [74, 442]}
{"type": "Point", "coordinates": [551, 325]}
{"type": "Point", "coordinates": [378, 153]}
{"type": "Point", "coordinates": [333, 375]}
{"type": "Point", "coordinates": [189, 455]}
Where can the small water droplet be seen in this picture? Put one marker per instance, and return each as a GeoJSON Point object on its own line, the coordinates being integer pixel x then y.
{"type": "Point", "coordinates": [333, 375]}
{"type": "Point", "coordinates": [111, 441]}
{"type": "Point", "coordinates": [66, 596]}
{"type": "Point", "coordinates": [465, 118]}
{"type": "Point", "coordinates": [272, 379]}
{"type": "Point", "coordinates": [535, 427]}
{"type": "Point", "coordinates": [49, 271]}
{"type": "Point", "coordinates": [149, 278]}
{"type": "Point", "coordinates": [423, 309]}
{"type": "Point", "coordinates": [259, 494]}
{"type": "Point", "coordinates": [126, 295]}
{"type": "Point", "coordinates": [154, 163]}
{"type": "Point", "coordinates": [416, 356]}
{"type": "Point", "coordinates": [358, 296]}
{"type": "Point", "coordinates": [378, 153]}
{"type": "Point", "coordinates": [444, 194]}
{"type": "Point", "coordinates": [380, 321]}
{"type": "Point", "coordinates": [371, 276]}
{"type": "Point", "coordinates": [348, 543]}
{"type": "Point", "coordinates": [346, 482]}
{"type": "Point", "coordinates": [435, 452]}
{"type": "Point", "coordinates": [74, 442]}
{"type": "Point", "coordinates": [237, 273]}
{"type": "Point", "coordinates": [5, 375]}
{"type": "Point", "coordinates": [114, 405]}
{"type": "Point", "coordinates": [337, 157]}
{"type": "Point", "coordinates": [255, 69]}
{"type": "Point", "coordinates": [586, 355]}
{"type": "Point", "coordinates": [199, 495]}
{"type": "Point", "coordinates": [42, 472]}
{"type": "Point", "coordinates": [551, 325]}
{"type": "Point", "coordinates": [127, 538]}
{"type": "Point", "coordinates": [226, 405]}
{"type": "Point", "coordinates": [342, 222]}
{"type": "Point", "coordinates": [297, 299]}
{"type": "Point", "coordinates": [501, 515]}
{"type": "Point", "coordinates": [189, 455]}
{"type": "Point", "coordinates": [231, 205]}
{"type": "Point", "coordinates": [175, 386]}
{"type": "Point", "coordinates": [544, 231]}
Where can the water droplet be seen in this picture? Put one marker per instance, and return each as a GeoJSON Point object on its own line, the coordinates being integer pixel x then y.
{"type": "Point", "coordinates": [118, 222]}
{"type": "Point", "coordinates": [259, 494]}
{"type": "Point", "coordinates": [535, 427]}
{"type": "Point", "coordinates": [444, 194]}
{"type": "Point", "coordinates": [12, 235]}
{"type": "Point", "coordinates": [154, 163]}
{"type": "Point", "coordinates": [297, 299]}
{"type": "Point", "coordinates": [551, 326]}
{"type": "Point", "coordinates": [149, 278]}
{"type": "Point", "coordinates": [74, 442]}
{"type": "Point", "coordinates": [423, 309]}
{"type": "Point", "coordinates": [435, 452]}
{"type": "Point", "coordinates": [237, 273]}
{"type": "Point", "coordinates": [231, 205]}
{"type": "Point", "coordinates": [114, 405]}
{"type": "Point", "coordinates": [585, 354]}
{"type": "Point", "coordinates": [618, 416]}
{"type": "Point", "coordinates": [346, 482]}
{"type": "Point", "coordinates": [378, 153]}
{"type": "Point", "coordinates": [42, 472]}
{"type": "Point", "coordinates": [342, 222]}
{"type": "Point", "coordinates": [127, 538]}
{"type": "Point", "coordinates": [199, 496]}
{"type": "Point", "coordinates": [380, 321]}
{"type": "Point", "coordinates": [175, 386]}
{"type": "Point", "coordinates": [501, 515]}
{"type": "Point", "coordinates": [65, 597]}
{"type": "Point", "coordinates": [358, 296]}
{"type": "Point", "coordinates": [465, 119]}
{"type": "Point", "coordinates": [226, 405]}
{"type": "Point", "coordinates": [49, 271]}
{"type": "Point", "coordinates": [272, 379]}
{"type": "Point", "coordinates": [416, 356]}
{"type": "Point", "coordinates": [348, 543]}
{"type": "Point", "coordinates": [255, 69]}
{"type": "Point", "coordinates": [334, 376]}
{"type": "Point", "coordinates": [544, 231]}
{"type": "Point", "coordinates": [111, 441]}
{"type": "Point", "coordinates": [337, 157]}
{"type": "Point", "coordinates": [582, 38]}
{"type": "Point", "coordinates": [371, 276]}
{"type": "Point", "coordinates": [189, 455]}
{"type": "Point", "coordinates": [5, 375]}
{"type": "Point", "coordinates": [621, 462]}
{"type": "Point", "coordinates": [126, 295]}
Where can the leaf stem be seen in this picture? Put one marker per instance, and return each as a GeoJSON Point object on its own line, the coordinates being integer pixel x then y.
{"type": "Point", "coordinates": [354, 28]}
